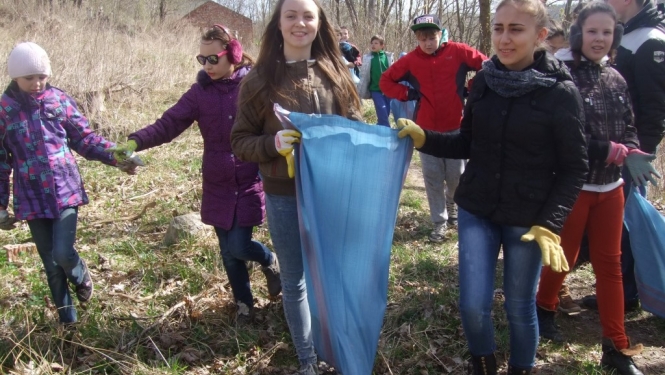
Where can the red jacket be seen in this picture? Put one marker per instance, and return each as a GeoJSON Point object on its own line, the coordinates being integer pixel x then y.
{"type": "Point", "coordinates": [440, 80]}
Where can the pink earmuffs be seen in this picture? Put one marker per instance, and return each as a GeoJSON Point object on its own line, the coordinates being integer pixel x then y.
{"type": "Point", "coordinates": [234, 48]}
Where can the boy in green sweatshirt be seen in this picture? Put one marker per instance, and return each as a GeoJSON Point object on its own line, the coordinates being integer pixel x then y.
{"type": "Point", "coordinates": [374, 64]}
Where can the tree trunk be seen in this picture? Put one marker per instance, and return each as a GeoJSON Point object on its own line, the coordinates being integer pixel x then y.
{"type": "Point", "coordinates": [337, 19]}
{"type": "Point", "coordinates": [371, 12]}
{"type": "Point", "coordinates": [485, 44]}
{"type": "Point", "coordinates": [162, 10]}
{"type": "Point", "coordinates": [353, 13]}
{"type": "Point", "coordinates": [388, 7]}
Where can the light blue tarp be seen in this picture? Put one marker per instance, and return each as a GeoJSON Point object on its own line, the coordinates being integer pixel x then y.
{"type": "Point", "coordinates": [647, 239]}
{"type": "Point", "coordinates": [348, 180]}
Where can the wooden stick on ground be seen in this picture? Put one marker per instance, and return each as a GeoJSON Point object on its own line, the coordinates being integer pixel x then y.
{"type": "Point", "coordinates": [124, 218]}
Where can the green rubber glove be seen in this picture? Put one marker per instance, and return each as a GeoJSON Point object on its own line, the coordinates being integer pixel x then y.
{"type": "Point", "coordinates": [410, 128]}
{"type": "Point", "coordinates": [640, 168]}
{"type": "Point", "coordinates": [122, 152]}
{"type": "Point", "coordinates": [549, 243]}
{"type": "Point", "coordinates": [284, 140]}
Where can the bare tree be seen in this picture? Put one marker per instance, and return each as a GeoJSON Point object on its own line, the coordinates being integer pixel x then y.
{"type": "Point", "coordinates": [484, 44]}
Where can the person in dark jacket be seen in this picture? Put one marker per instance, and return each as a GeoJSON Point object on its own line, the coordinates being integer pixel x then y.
{"type": "Point", "coordinates": [233, 199]}
{"type": "Point", "coordinates": [612, 142]}
{"type": "Point", "coordinates": [641, 61]}
{"type": "Point", "coordinates": [350, 52]}
{"type": "Point", "coordinates": [522, 132]}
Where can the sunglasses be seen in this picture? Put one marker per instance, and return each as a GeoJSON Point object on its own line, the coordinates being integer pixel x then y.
{"type": "Point", "coordinates": [212, 59]}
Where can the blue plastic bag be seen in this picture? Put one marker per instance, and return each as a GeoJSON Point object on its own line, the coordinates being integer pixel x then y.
{"type": "Point", "coordinates": [647, 239]}
{"type": "Point", "coordinates": [402, 109]}
{"type": "Point", "coordinates": [348, 181]}
{"type": "Point", "coordinates": [405, 109]}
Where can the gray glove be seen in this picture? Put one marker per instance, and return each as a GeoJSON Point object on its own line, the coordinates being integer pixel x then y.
{"type": "Point", "coordinates": [130, 163]}
{"type": "Point", "coordinates": [640, 168]}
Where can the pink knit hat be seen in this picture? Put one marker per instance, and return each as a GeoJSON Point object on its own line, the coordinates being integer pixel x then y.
{"type": "Point", "coordinates": [28, 59]}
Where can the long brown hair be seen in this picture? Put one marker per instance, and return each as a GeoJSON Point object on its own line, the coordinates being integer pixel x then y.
{"type": "Point", "coordinates": [271, 63]}
{"type": "Point", "coordinates": [217, 33]}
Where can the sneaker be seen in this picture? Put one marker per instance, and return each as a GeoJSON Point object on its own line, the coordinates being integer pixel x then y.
{"type": "Point", "coordinates": [86, 287]}
{"type": "Point", "coordinates": [309, 369]}
{"type": "Point", "coordinates": [566, 303]}
{"type": "Point", "coordinates": [452, 222]}
{"type": "Point", "coordinates": [245, 314]}
{"type": "Point", "coordinates": [547, 327]}
{"type": "Point", "coordinates": [272, 277]}
{"type": "Point", "coordinates": [620, 360]}
{"type": "Point", "coordinates": [439, 232]}
{"type": "Point", "coordinates": [591, 303]}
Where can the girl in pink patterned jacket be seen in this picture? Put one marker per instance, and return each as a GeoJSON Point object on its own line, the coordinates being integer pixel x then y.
{"type": "Point", "coordinates": [40, 125]}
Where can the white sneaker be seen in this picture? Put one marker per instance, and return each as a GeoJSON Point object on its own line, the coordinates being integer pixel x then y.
{"type": "Point", "coordinates": [439, 232]}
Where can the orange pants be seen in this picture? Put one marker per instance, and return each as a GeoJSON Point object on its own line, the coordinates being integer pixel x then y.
{"type": "Point", "coordinates": [601, 214]}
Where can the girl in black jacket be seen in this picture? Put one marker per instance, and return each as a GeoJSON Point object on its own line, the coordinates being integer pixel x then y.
{"type": "Point", "coordinates": [612, 142]}
{"type": "Point", "coordinates": [522, 132]}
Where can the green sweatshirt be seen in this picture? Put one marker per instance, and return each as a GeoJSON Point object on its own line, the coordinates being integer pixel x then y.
{"type": "Point", "coordinates": [379, 65]}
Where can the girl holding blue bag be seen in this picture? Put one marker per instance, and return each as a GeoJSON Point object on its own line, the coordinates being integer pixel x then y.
{"type": "Point", "coordinates": [299, 68]}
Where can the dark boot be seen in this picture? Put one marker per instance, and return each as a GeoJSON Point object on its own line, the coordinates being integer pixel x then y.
{"type": "Point", "coordinates": [620, 360]}
{"type": "Point", "coordinates": [547, 328]}
{"type": "Point", "coordinates": [513, 370]}
{"type": "Point", "coordinates": [483, 365]}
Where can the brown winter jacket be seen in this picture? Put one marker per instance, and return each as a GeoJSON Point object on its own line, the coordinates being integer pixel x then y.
{"type": "Point", "coordinates": [253, 133]}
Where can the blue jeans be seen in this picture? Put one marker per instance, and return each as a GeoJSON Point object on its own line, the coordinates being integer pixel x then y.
{"type": "Point", "coordinates": [237, 247]}
{"type": "Point", "coordinates": [282, 213]}
{"type": "Point", "coordinates": [55, 239]}
{"type": "Point", "coordinates": [382, 107]}
{"type": "Point", "coordinates": [479, 243]}
{"type": "Point", "coordinates": [627, 260]}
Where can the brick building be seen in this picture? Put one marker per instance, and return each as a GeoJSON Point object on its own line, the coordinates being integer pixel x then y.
{"type": "Point", "coordinates": [210, 12]}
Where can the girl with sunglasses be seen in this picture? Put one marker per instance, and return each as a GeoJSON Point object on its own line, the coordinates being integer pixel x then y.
{"type": "Point", "coordinates": [233, 200]}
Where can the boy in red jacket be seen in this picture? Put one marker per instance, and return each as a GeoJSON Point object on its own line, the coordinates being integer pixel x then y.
{"type": "Point", "coordinates": [437, 72]}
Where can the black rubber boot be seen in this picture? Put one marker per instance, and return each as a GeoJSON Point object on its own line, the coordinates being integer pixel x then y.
{"type": "Point", "coordinates": [547, 328]}
{"type": "Point", "coordinates": [513, 370]}
{"type": "Point", "coordinates": [620, 360]}
{"type": "Point", "coordinates": [483, 365]}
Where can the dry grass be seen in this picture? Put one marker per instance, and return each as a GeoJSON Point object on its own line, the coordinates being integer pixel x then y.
{"type": "Point", "coordinates": [168, 310]}
{"type": "Point", "coordinates": [140, 69]}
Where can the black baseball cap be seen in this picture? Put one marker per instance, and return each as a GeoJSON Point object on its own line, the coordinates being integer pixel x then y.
{"type": "Point", "coordinates": [427, 20]}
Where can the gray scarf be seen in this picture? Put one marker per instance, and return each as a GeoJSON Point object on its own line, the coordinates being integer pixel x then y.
{"type": "Point", "coordinates": [511, 84]}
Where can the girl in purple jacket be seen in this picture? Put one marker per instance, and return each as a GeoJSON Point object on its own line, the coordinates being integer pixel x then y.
{"type": "Point", "coordinates": [233, 200]}
{"type": "Point", "coordinates": [40, 125]}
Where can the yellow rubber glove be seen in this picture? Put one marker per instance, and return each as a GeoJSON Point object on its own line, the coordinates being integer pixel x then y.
{"type": "Point", "coordinates": [549, 243]}
{"type": "Point", "coordinates": [410, 128]}
{"type": "Point", "coordinates": [284, 140]}
{"type": "Point", "coordinates": [122, 152]}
